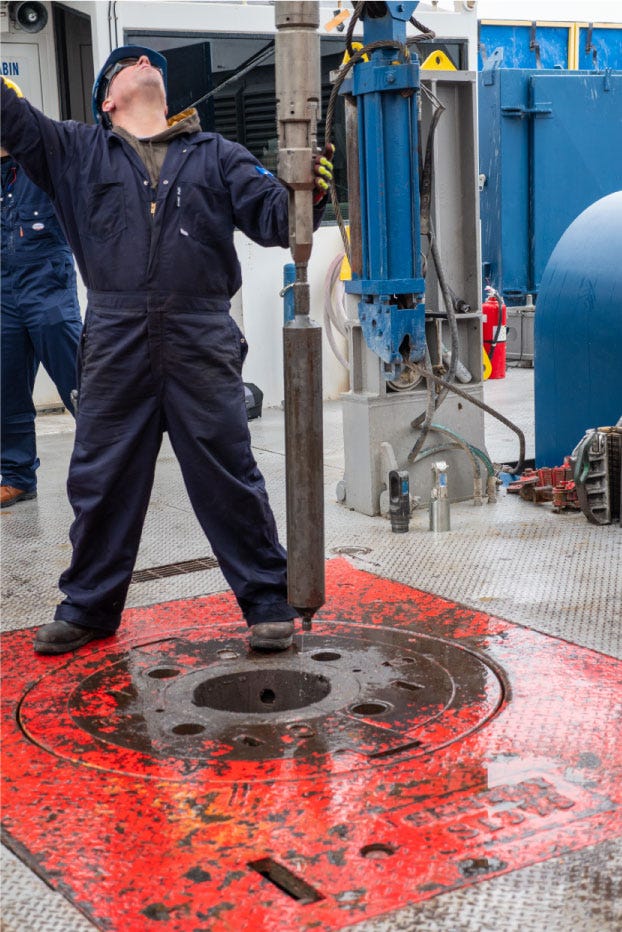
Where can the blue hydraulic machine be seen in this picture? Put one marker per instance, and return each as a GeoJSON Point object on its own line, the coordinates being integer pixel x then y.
{"type": "Point", "coordinates": [389, 280]}
{"type": "Point", "coordinates": [415, 263]}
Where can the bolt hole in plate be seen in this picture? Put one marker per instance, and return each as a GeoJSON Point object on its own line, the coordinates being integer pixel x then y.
{"type": "Point", "coordinates": [188, 728]}
{"type": "Point", "coordinates": [383, 693]}
{"type": "Point", "coordinates": [326, 655]}
{"type": "Point", "coordinates": [226, 654]}
{"type": "Point", "coordinates": [299, 728]}
{"type": "Point", "coordinates": [369, 708]}
{"type": "Point", "coordinates": [249, 740]}
{"type": "Point", "coordinates": [377, 851]}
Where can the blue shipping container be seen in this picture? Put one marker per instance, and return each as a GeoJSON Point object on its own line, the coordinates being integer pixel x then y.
{"type": "Point", "coordinates": [550, 144]}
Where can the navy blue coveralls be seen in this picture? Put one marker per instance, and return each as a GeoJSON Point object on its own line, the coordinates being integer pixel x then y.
{"type": "Point", "coordinates": [40, 318]}
{"type": "Point", "coordinates": [159, 350]}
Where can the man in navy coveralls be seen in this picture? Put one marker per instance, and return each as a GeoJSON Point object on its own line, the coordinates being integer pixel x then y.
{"type": "Point", "coordinates": [149, 206]}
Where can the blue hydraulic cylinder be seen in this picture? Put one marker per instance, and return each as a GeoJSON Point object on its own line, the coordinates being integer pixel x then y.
{"type": "Point", "coordinates": [391, 286]}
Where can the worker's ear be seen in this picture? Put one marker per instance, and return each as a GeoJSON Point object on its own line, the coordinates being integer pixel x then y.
{"type": "Point", "coordinates": [107, 105]}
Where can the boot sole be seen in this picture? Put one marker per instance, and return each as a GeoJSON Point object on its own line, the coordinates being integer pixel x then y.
{"type": "Point", "coordinates": [271, 643]}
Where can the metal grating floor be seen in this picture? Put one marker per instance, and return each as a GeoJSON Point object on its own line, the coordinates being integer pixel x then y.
{"type": "Point", "coordinates": [555, 574]}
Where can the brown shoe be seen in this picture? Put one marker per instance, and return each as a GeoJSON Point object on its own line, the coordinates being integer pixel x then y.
{"type": "Point", "coordinates": [9, 495]}
{"type": "Point", "coordinates": [61, 636]}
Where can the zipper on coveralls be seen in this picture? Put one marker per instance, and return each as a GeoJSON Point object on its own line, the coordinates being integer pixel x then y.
{"type": "Point", "coordinates": [10, 212]}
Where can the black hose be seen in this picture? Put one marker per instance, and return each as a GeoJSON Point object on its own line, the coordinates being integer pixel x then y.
{"type": "Point", "coordinates": [518, 467]}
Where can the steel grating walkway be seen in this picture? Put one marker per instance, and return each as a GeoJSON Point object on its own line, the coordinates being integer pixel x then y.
{"type": "Point", "coordinates": [553, 574]}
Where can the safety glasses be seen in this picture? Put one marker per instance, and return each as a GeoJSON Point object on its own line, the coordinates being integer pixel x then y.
{"type": "Point", "coordinates": [119, 66]}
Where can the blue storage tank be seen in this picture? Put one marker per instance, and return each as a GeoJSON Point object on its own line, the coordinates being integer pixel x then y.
{"type": "Point", "coordinates": [578, 333]}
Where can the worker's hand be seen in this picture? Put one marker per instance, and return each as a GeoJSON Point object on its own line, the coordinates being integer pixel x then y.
{"type": "Point", "coordinates": [323, 169]}
{"type": "Point", "coordinates": [13, 86]}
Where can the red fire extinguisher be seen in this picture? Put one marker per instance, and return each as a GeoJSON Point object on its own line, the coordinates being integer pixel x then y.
{"type": "Point", "coordinates": [494, 331]}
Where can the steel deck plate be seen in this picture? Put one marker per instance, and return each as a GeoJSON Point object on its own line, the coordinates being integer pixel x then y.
{"type": "Point", "coordinates": [406, 747]}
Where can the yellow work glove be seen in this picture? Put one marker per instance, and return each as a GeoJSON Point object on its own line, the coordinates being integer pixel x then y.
{"type": "Point", "coordinates": [323, 170]}
{"type": "Point", "coordinates": [13, 86]}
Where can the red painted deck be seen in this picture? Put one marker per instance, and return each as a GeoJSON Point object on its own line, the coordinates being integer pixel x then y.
{"type": "Point", "coordinates": [482, 747]}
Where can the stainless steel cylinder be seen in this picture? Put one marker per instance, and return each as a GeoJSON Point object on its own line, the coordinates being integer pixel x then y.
{"type": "Point", "coordinates": [439, 515]}
{"type": "Point", "coordinates": [439, 504]}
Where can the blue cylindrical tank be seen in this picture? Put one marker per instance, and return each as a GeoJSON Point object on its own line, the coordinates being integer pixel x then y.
{"type": "Point", "coordinates": [578, 332]}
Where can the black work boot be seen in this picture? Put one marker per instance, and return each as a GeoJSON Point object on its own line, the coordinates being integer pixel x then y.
{"type": "Point", "coordinates": [272, 635]}
{"type": "Point", "coordinates": [61, 636]}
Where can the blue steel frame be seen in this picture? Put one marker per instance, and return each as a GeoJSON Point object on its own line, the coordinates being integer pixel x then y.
{"type": "Point", "coordinates": [387, 95]}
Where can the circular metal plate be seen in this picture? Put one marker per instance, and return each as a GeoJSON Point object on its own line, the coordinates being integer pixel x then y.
{"type": "Point", "coordinates": [345, 697]}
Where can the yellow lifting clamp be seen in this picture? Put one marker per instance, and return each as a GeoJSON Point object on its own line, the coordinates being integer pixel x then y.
{"type": "Point", "coordinates": [438, 61]}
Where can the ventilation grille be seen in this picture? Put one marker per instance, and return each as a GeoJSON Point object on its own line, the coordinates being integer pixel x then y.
{"type": "Point", "coordinates": [175, 569]}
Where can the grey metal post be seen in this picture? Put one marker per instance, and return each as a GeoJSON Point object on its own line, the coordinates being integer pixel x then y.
{"type": "Point", "coordinates": [298, 104]}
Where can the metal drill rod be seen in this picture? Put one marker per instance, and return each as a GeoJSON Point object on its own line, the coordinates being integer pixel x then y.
{"type": "Point", "coordinates": [302, 357]}
{"type": "Point", "coordinates": [297, 80]}
{"type": "Point", "coordinates": [298, 103]}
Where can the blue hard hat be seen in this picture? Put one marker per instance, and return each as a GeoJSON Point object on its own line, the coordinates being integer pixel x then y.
{"type": "Point", "coordinates": [100, 86]}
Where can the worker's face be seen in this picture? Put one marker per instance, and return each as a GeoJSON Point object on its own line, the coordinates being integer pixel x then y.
{"type": "Point", "coordinates": [136, 77]}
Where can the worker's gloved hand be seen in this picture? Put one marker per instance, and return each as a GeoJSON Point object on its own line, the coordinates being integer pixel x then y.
{"type": "Point", "coordinates": [12, 85]}
{"type": "Point", "coordinates": [323, 169]}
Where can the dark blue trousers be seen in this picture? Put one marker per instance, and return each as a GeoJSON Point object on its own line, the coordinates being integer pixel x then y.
{"type": "Point", "coordinates": [174, 363]}
{"type": "Point", "coordinates": [40, 323]}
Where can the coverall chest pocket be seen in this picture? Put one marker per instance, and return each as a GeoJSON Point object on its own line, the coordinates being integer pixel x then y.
{"type": "Point", "coordinates": [105, 209]}
{"type": "Point", "coordinates": [205, 213]}
{"type": "Point", "coordinates": [36, 218]}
